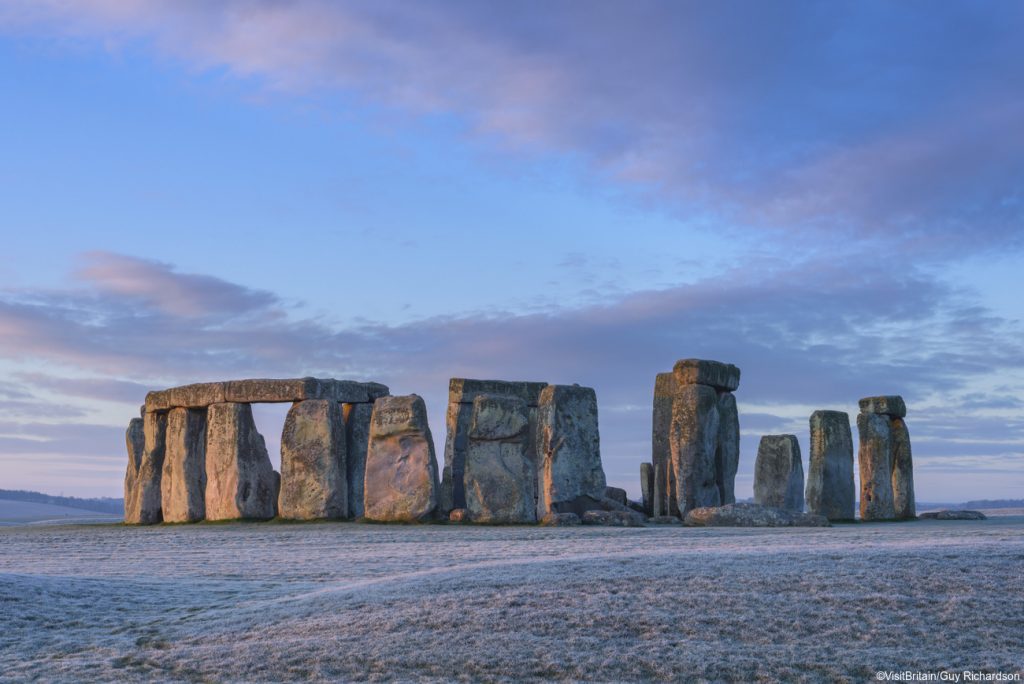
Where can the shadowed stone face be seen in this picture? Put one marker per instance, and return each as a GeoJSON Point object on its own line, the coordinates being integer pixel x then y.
{"type": "Point", "coordinates": [904, 506]}
{"type": "Point", "coordinates": [183, 486]}
{"type": "Point", "coordinates": [569, 447]}
{"type": "Point", "coordinates": [313, 454]}
{"type": "Point", "coordinates": [727, 451]}
{"type": "Point", "coordinates": [357, 441]}
{"type": "Point", "coordinates": [830, 487]}
{"type": "Point", "coordinates": [665, 502]}
{"type": "Point", "coordinates": [135, 441]}
{"type": "Point", "coordinates": [647, 487]}
{"type": "Point", "coordinates": [875, 460]}
{"type": "Point", "coordinates": [500, 478]}
{"type": "Point", "coordinates": [779, 473]}
{"type": "Point", "coordinates": [724, 377]}
{"type": "Point", "coordinates": [146, 507]}
{"type": "Point", "coordinates": [401, 482]}
{"type": "Point", "coordinates": [693, 440]}
{"type": "Point", "coordinates": [240, 482]}
{"type": "Point", "coordinates": [891, 405]}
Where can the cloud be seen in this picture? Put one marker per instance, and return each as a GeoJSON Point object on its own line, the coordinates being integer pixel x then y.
{"type": "Point", "coordinates": [819, 123]}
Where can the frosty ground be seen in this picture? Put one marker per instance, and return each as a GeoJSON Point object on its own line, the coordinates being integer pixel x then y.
{"type": "Point", "coordinates": [346, 601]}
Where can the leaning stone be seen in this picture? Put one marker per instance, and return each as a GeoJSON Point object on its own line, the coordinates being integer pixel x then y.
{"type": "Point", "coordinates": [752, 515]}
{"type": "Point", "coordinates": [830, 487]}
{"type": "Point", "coordinates": [135, 441]}
{"type": "Point", "coordinates": [569, 447]}
{"type": "Point", "coordinates": [874, 458]}
{"type": "Point", "coordinates": [647, 488]}
{"type": "Point", "coordinates": [665, 520]}
{"type": "Point", "coordinates": [500, 478]}
{"type": "Point", "coordinates": [357, 441]}
{"type": "Point", "coordinates": [240, 482]}
{"type": "Point", "coordinates": [693, 439]}
{"type": "Point", "coordinates": [147, 508]}
{"type": "Point", "coordinates": [458, 515]}
{"type": "Point", "coordinates": [313, 462]}
{"type": "Point", "coordinates": [902, 472]}
{"type": "Point", "coordinates": [613, 518]}
{"type": "Point", "coordinates": [401, 482]}
{"type": "Point", "coordinates": [727, 451]}
{"type": "Point", "coordinates": [721, 376]}
{"type": "Point", "coordinates": [616, 494]}
{"type": "Point", "coordinates": [892, 405]}
{"type": "Point", "coordinates": [183, 483]}
{"type": "Point", "coordinates": [779, 473]}
{"type": "Point", "coordinates": [664, 490]}
{"type": "Point", "coordinates": [953, 515]}
{"type": "Point", "coordinates": [560, 520]}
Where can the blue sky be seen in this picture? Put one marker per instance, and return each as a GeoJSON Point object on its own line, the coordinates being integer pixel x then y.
{"type": "Point", "coordinates": [829, 195]}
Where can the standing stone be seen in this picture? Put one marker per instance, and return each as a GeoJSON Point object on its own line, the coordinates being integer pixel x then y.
{"type": "Point", "coordinates": [875, 460]}
{"type": "Point", "coordinates": [183, 484]}
{"type": "Point", "coordinates": [240, 482]}
{"type": "Point", "coordinates": [779, 473]}
{"type": "Point", "coordinates": [664, 494]}
{"type": "Point", "coordinates": [357, 441]}
{"type": "Point", "coordinates": [500, 477]}
{"type": "Point", "coordinates": [647, 488]}
{"type": "Point", "coordinates": [727, 452]}
{"type": "Point", "coordinates": [569, 446]}
{"type": "Point", "coordinates": [135, 440]}
{"type": "Point", "coordinates": [146, 507]}
{"type": "Point", "coordinates": [830, 488]}
{"type": "Point", "coordinates": [902, 472]}
{"type": "Point", "coordinates": [401, 482]}
{"type": "Point", "coordinates": [692, 439]}
{"type": "Point", "coordinates": [313, 472]}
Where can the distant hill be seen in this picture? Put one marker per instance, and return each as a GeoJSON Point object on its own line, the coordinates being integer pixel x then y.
{"type": "Point", "coordinates": [102, 505]}
{"type": "Point", "coordinates": [994, 503]}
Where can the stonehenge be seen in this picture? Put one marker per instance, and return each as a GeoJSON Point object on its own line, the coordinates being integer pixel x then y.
{"type": "Point", "coordinates": [830, 489]}
{"type": "Point", "coordinates": [779, 473]}
{"type": "Point", "coordinates": [314, 475]}
{"type": "Point", "coordinates": [885, 461]}
{"type": "Point", "coordinates": [183, 481]}
{"type": "Point", "coordinates": [499, 474]}
{"type": "Point", "coordinates": [240, 482]}
{"type": "Point", "coordinates": [694, 437]}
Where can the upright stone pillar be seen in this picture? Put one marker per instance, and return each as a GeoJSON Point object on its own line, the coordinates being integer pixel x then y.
{"type": "Point", "coordinates": [727, 452]}
{"type": "Point", "coordinates": [904, 506]}
{"type": "Point", "coordinates": [500, 478]}
{"type": "Point", "coordinates": [779, 473]}
{"type": "Point", "coordinates": [313, 454]}
{"type": "Point", "coordinates": [401, 482]}
{"type": "Point", "coordinates": [145, 509]}
{"type": "Point", "coordinates": [647, 488]}
{"type": "Point", "coordinates": [830, 487]}
{"type": "Point", "coordinates": [240, 482]}
{"type": "Point", "coordinates": [665, 502]}
{"type": "Point", "coordinates": [357, 441]}
{"type": "Point", "coordinates": [135, 441]}
{"type": "Point", "coordinates": [693, 442]}
{"type": "Point", "coordinates": [183, 484]}
{"type": "Point", "coordinates": [569, 448]}
{"type": "Point", "coordinates": [875, 460]}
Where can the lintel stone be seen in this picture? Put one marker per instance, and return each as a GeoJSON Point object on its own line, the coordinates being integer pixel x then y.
{"type": "Point", "coordinates": [721, 376]}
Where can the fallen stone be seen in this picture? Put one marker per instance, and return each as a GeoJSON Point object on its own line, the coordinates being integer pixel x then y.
{"type": "Point", "coordinates": [183, 482]}
{"type": "Point", "coordinates": [727, 451]}
{"type": "Point", "coordinates": [401, 483]}
{"type": "Point", "coordinates": [953, 515]}
{"type": "Point", "coordinates": [874, 459]}
{"type": "Point", "coordinates": [752, 515]}
{"type": "Point", "coordinates": [721, 376]}
{"type": "Point", "coordinates": [779, 473]}
{"type": "Point", "coordinates": [612, 518]}
{"type": "Point", "coordinates": [357, 441]}
{"type": "Point", "coordinates": [569, 447]}
{"type": "Point", "coordinates": [830, 488]}
{"type": "Point", "coordinates": [500, 478]}
{"type": "Point", "coordinates": [135, 441]}
{"type": "Point", "coordinates": [616, 494]}
{"type": "Point", "coordinates": [693, 440]}
{"type": "Point", "coordinates": [664, 489]}
{"type": "Point", "coordinates": [459, 515]}
{"type": "Point", "coordinates": [314, 482]}
{"type": "Point", "coordinates": [903, 503]}
{"type": "Point", "coordinates": [891, 405]}
{"type": "Point", "coordinates": [647, 488]}
{"type": "Point", "coordinates": [665, 520]}
{"type": "Point", "coordinates": [147, 508]}
{"type": "Point", "coordinates": [560, 520]}
{"type": "Point", "coordinates": [637, 506]}
{"type": "Point", "coordinates": [240, 482]}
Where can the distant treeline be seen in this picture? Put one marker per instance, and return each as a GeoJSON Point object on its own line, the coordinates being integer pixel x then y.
{"type": "Point", "coordinates": [104, 505]}
{"type": "Point", "coordinates": [995, 503]}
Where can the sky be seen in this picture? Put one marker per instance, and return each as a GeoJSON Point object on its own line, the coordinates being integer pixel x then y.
{"type": "Point", "coordinates": [829, 195]}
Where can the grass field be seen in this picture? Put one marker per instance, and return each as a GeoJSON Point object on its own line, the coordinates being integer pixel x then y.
{"type": "Point", "coordinates": [344, 601]}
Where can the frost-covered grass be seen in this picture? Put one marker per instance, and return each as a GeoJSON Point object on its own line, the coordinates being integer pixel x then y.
{"type": "Point", "coordinates": [342, 601]}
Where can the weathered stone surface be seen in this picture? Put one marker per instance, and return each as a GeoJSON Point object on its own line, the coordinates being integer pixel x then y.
{"type": "Point", "coordinates": [240, 482]}
{"type": "Point", "coordinates": [647, 487]}
{"type": "Point", "coordinates": [459, 515]}
{"type": "Point", "coordinates": [401, 483]}
{"type": "Point", "coordinates": [891, 405]}
{"type": "Point", "coordinates": [135, 441]}
{"type": "Point", "coordinates": [500, 479]}
{"type": "Point", "coordinates": [665, 520]}
{"type": "Point", "coordinates": [146, 508]}
{"type": "Point", "coordinates": [616, 494]}
{"type": "Point", "coordinates": [197, 395]}
{"type": "Point", "coordinates": [357, 442]}
{"type": "Point", "coordinates": [665, 498]}
{"type": "Point", "coordinates": [692, 441]}
{"type": "Point", "coordinates": [752, 515]}
{"type": "Point", "coordinates": [721, 376]}
{"type": "Point", "coordinates": [560, 520]}
{"type": "Point", "coordinates": [727, 451]}
{"type": "Point", "coordinates": [903, 503]}
{"type": "Point", "coordinates": [201, 395]}
{"type": "Point", "coordinates": [779, 473]}
{"type": "Point", "coordinates": [830, 488]}
{"type": "Point", "coordinates": [953, 515]}
{"type": "Point", "coordinates": [874, 458]}
{"type": "Point", "coordinates": [465, 390]}
{"type": "Point", "coordinates": [183, 483]}
{"type": "Point", "coordinates": [569, 447]}
{"type": "Point", "coordinates": [613, 518]}
{"type": "Point", "coordinates": [314, 482]}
